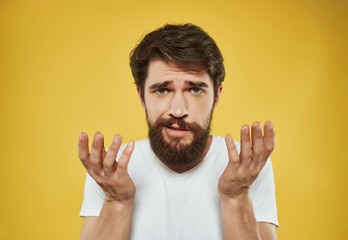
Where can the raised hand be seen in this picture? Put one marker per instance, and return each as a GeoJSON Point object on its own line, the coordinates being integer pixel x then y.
{"type": "Point", "coordinates": [242, 169]}
{"type": "Point", "coordinates": [111, 176]}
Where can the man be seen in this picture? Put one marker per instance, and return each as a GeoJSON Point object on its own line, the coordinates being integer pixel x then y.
{"type": "Point", "coordinates": [181, 183]}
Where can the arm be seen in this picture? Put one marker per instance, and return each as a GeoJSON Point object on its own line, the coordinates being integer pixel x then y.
{"type": "Point", "coordinates": [243, 220]}
{"type": "Point", "coordinates": [267, 230]}
{"type": "Point", "coordinates": [115, 217]}
{"type": "Point", "coordinates": [88, 228]}
{"type": "Point", "coordinates": [238, 218]}
{"type": "Point", "coordinates": [114, 220]}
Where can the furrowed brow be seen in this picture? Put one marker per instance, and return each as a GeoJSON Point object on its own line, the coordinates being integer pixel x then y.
{"type": "Point", "coordinates": [160, 85]}
{"type": "Point", "coordinates": [198, 84]}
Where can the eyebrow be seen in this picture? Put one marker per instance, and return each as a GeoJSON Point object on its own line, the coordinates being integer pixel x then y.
{"type": "Point", "coordinates": [166, 83]}
{"type": "Point", "coordinates": [198, 84]}
{"type": "Point", "coordinates": [160, 85]}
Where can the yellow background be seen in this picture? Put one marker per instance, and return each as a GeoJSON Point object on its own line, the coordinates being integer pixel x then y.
{"type": "Point", "coordinates": [64, 69]}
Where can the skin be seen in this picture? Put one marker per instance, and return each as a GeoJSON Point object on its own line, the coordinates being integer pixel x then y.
{"type": "Point", "coordinates": [237, 212]}
{"type": "Point", "coordinates": [178, 95]}
{"type": "Point", "coordinates": [173, 92]}
{"type": "Point", "coordinates": [118, 187]}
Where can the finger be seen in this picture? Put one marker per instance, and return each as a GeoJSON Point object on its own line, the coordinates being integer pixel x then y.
{"type": "Point", "coordinates": [96, 153]}
{"type": "Point", "coordinates": [268, 140]}
{"type": "Point", "coordinates": [232, 153]}
{"type": "Point", "coordinates": [124, 159]}
{"type": "Point", "coordinates": [257, 145]}
{"type": "Point", "coordinates": [83, 150]}
{"type": "Point", "coordinates": [245, 153]}
{"type": "Point", "coordinates": [103, 152]}
{"type": "Point", "coordinates": [109, 163]}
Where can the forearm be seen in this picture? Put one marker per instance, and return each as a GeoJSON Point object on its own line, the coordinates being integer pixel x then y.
{"type": "Point", "coordinates": [238, 219]}
{"type": "Point", "coordinates": [114, 220]}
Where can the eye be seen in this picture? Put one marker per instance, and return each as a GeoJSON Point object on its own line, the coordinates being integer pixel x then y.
{"type": "Point", "coordinates": [162, 91]}
{"type": "Point", "coordinates": [196, 90]}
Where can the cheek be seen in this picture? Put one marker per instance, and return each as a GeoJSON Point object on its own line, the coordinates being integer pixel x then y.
{"type": "Point", "coordinates": [205, 103]}
{"type": "Point", "coordinates": [201, 114]}
{"type": "Point", "coordinates": [201, 110]}
{"type": "Point", "coordinates": [155, 110]}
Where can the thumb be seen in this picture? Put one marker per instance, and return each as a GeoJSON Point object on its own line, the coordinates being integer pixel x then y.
{"type": "Point", "coordinates": [125, 157]}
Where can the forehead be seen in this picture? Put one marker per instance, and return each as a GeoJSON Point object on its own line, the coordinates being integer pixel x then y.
{"type": "Point", "coordinates": [160, 71]}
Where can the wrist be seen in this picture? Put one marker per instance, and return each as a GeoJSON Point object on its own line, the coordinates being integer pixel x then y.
{"type": "Point", "coordinates": [240, 195]}
{"type": "Point", "coordinates": [121, 199]}
{"type": "Point", "coordinates": [119, 205]}
{"type": "Point", "coordinates": [240, 206]}
{"type": "Point", "coordinates": [237, 199]}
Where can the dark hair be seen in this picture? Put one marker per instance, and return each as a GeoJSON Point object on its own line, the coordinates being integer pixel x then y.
{"type": "Point", "coordinates": [187, 46]}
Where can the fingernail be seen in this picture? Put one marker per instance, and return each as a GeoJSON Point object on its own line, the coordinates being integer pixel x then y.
{"type": "Point", "coordinates": [97, 137]}
{"type": "Point", "coordinates": [271, 125]}
{"type": "Point", "coordinates": [229, 138]}
{"type": "Point", "coordinates": [247, 131]}
{"type": "Point", "coordinates": [130, 144]}
{"type": "Point", "coordinates": [258, 127]}
{"type": "Point", "coordinates": [80, 137]}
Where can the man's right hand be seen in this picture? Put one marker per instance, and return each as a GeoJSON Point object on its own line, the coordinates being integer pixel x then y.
{"type": "Point", "coordinates": [111, 176]}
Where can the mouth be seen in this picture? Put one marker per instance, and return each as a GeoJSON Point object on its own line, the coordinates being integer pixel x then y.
{"type": "Point", "coordinates": [176, 127]}
{"type": "Point", "coordinates": [176, 131]}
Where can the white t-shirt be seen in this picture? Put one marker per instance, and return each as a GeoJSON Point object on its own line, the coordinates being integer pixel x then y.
{"type": "Point", "coordinates": [171, 206]}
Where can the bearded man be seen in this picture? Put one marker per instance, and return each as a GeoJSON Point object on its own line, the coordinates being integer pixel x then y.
{"type": "Point", "coordinates": [182, 182]}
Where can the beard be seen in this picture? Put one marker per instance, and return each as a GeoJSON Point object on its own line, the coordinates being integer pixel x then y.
{"type": "Point", "coordinates": [173, 152]}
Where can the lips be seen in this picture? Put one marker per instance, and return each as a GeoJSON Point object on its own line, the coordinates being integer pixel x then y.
{"type": "Point", "coordinates": [176, 131]}
{"type": "Point", "coordinates": [176, 127]}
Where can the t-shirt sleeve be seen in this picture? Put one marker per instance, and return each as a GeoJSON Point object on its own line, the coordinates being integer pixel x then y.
{"type": "Point", "coordinates": [93, 198]}
{"type": "Point", "coordinates": [263, 197]}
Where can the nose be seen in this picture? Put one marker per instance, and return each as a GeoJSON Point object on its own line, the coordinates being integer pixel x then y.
{"type": "Point", "coordinates": [178, 107]}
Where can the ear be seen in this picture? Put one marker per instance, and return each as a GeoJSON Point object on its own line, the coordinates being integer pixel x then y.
{"type": "Point", "coordinates": [217, 97]}
{"type": "Point", "coordinates": [142, 101]}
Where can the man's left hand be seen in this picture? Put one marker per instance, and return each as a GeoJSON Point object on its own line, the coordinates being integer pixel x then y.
{"type": "Point", "coordinates": [243, 168]}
